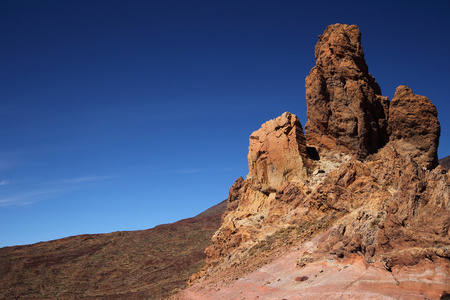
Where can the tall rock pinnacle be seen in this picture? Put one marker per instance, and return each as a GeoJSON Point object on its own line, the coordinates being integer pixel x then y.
{"type": "Point", "coordinates": [345, 108]}
{"type": "Point", "coordinates": [374, 199]}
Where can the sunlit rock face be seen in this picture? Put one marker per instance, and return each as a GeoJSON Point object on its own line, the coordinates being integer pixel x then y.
{"type": "Point", "coordinates": [373, 197]}
{"type": "Point", "coordinates": [277, 152]}
{"type": "Point", "coordinates": [278, 167]}
{"type": "Point", "coordinates": [345, 108]}
{"type": "Point", "coordinates": [413, 127]}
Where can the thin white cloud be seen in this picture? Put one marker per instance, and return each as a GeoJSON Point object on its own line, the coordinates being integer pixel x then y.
{"type": "Point", "coordinates": [26, 193]}
{"type": "Point", "coordinates": [193, 171]}
{"type": "Point", "coordinates": [23, 199]}
{"type": "Point", "coordinates": [187, 171]}
{"type": "Point", "coordinates": [4, 182]}
{"type": "Point", "coordinates": [87, 179]}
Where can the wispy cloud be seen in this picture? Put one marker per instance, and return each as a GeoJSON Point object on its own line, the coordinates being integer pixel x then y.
{"type": "Point", "coordinates": [4, 182]}
{"type": "Point", "coordinates": [192, 171]}
{"type": "Point", "coordinates": [25, 193]}
{"type": "Point", "coordinates": [26, 198]}
{"type": "Point", "coordinates": [88, 179]}
{"type": "Point", "coordinates": [186, 171]}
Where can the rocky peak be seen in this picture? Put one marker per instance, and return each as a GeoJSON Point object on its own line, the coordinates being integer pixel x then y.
{"type": "Point", "coordinates": [413, 127]}
{"type": "Point", "coordinates": [277, 152]}
{"type": "Point", "coordinates": [390, 209]}
{"type": "Point", "coordinates": [345, 108]}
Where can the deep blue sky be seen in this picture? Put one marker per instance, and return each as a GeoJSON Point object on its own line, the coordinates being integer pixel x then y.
{"type": "Point", "coordinates": [121, 115]}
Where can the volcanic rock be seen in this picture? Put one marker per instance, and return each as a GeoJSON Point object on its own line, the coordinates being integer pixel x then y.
{"type": "Point", "coordinates": [445, 162]}
{"type": "Point", "coordinates": [384, 221]}
{"type": "Point", "coordinates": [413, 127]}
{"type": "Point", "coordinates": [383, 217]}
{"type": "Point", "coordinates": [278, 165]}
{"type": "Point", "coordinates": [277, 152]}
{"type": "Point", "coordinates": [345, 108]}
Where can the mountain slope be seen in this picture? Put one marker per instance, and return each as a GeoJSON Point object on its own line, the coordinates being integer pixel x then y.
{"type": "Point", "coordinates": [146, 264]}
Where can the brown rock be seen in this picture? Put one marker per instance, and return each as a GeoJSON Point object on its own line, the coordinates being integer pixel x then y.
{"type": "Point", "coordinates": [413, 127]}
{"type": "Point", "coordinates": [234, 194]}
{"type": "Point", "coordinates": [301, 278]}
{"type": "Point", "coordinates": [445, 162]}
{"type": "Point", "coordinates": [278, 165]}
{"type": "Point", "coordinates": [277, 152]}
{"type": "Point", "coordinates": [385, 217]}
{"type": "Point", "coordinates": [345, 108]}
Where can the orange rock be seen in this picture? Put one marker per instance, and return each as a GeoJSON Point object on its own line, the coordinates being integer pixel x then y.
{"type": "Point", "coordinates": [277, 152]}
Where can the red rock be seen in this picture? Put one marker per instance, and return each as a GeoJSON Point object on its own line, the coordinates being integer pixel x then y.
{"type": "Point", "coordinates": [351, 278]}
{"type": "Point", "coordinates": [413, 127]}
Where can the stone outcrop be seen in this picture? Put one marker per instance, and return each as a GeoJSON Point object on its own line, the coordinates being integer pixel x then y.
{"type": "Point", "coordinates": [345, 108]}
{"type": "Point", "coordinates": [375, 195]}
{"type": "Point", "coordinates": [277, 152]}
{"type": "Point", "coordinates": [414, 127]}
{"type": "Point", "coordinates": [278, 166]}
{"type": "Point", "coordinates": [445, 162]}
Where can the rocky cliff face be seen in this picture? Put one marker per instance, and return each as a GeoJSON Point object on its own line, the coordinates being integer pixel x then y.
{"type": "Point", "coordinates": [376, 194]}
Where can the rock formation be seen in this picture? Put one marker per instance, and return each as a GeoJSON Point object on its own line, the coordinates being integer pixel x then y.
{"type": "Point", "coordinates": [445, 162]}
{"type": "Point", "coordinates": [414, 127]}
{"type": "Point", "coordinates": [278, 165]}
{"type": "Point", "coordinates": [375, 200]}
{"type": "Point", "coordinates": [345, 108]}
{"type": "Point", "coordinates": [277, 152]}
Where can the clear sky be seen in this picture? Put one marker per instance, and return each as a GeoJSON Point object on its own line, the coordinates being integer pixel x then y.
{"type": "Point", "coordinates": [122, 115]}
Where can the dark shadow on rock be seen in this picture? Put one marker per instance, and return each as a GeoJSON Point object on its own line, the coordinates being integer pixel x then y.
{"type": "Point", "coordinates": [312, 153]}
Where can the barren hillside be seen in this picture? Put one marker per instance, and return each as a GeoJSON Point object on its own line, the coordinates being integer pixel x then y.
{"type": "Point", "coordinates": [147, 264]}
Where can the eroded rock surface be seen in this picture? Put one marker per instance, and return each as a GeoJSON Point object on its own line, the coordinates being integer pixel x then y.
{"type": "Point", "coordinates": [278, 166]}
{"type": "Point", "coordinates": [345, 108]}
{"type": "Point", "coordinates": [374, 201]}
{"type": "Point", "coordinates": [277, 152]}
{"type": "Point", "coordinates": [414, 127]}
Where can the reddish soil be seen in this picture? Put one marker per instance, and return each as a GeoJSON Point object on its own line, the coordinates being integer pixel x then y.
{"type": "Point", "coordinates": [327, 278]}
{"type": "Point", "coordinates": [150, 264]}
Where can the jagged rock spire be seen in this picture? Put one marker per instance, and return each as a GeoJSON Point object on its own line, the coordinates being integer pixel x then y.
{"type": "Point", "coordinates": [345, 108]}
